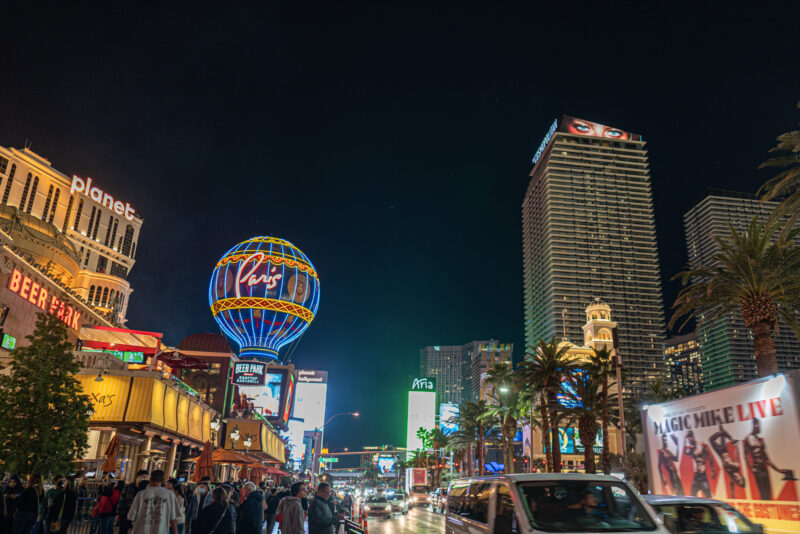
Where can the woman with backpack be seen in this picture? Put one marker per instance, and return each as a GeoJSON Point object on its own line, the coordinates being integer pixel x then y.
{"type": "Point", "coordinates": [62, 511]}
{"type": "Point", "coordinates": [218, 517]}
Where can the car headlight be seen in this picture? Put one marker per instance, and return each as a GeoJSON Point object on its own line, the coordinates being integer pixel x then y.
{"type": "Point", "coordinates": [366, 508]}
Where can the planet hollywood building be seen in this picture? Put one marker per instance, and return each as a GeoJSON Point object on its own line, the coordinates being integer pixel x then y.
{"type": "Point", "coordinates": [66, 248]}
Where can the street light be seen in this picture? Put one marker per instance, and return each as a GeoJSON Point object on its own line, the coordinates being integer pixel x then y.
{"type": "Point", "coordinates": [334, 416]}
{"type": "Point", "coordinates": [248, 442]}
{"type": "Point", "coordinates": [215, 424]}
{"type": "Point", "coordinates": [503, 389]}
{"type": "Point", "coordinates": [319, 429]}
{"type": "Point", "coordinates": [235, 435]}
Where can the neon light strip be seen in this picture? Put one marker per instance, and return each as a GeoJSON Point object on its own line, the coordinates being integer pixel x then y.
{"type": "Point", "coordinates": [271, 258]}
{"type": "Point", "coordinates": [264, 304]}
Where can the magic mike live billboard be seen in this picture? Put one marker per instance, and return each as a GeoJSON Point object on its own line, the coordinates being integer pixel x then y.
{"type": "Point", "coordinates": [739, 444]}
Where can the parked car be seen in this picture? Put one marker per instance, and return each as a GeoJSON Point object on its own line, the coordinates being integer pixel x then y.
{"type": "Point", "coordinates": [378, 505]}
{"type": "Point", "coordinates": [545, 503]}
{"type": "Point", "coordinates": [399, 501]}
{"type": "Point", "coordinates": [695, 514]}
{"type": "Point", "coordinates": [438, 500]}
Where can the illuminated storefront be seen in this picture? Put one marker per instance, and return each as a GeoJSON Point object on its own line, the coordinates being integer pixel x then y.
{"type": "Point", "coordinates": [155, 417]}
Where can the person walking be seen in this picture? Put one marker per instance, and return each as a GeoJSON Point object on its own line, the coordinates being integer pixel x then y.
{"type": "Point", "coordinates": [250, 517]}
{"type": "Point", "coordinates": [11, 492]}
{"type": "Point", "coordinates": [155, 509]}
{"type": "Point", "coordinates": [175, 487]}
{"type": "Point", "coordinates": [105, 509]}
{"type": "Point", "coordinates": [290, 513]}
{"type": "Point", "coordinates": [218, 517]}
{"type": "Point", "coordinates": [28, 505]}
{"type": "Point", "coordinates": [320, 518]}
{"type": "Point", "coordinates": [126, 500]}
{"type": "Point", "coordinates": [49, 497]}
{"type": "Point", "coordinates": [63, 510]}
{"type": "Point", "coordinates": [196, 503]}
{"type": "Point", "coordinates": [272, 508]}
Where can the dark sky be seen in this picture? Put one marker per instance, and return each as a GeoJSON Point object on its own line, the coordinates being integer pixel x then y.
{"type": "Point", "coordinates": [391, 144]}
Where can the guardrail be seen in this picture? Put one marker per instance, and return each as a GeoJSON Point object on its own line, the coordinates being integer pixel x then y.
{"type": "Point", "coordinates": [350, 528]}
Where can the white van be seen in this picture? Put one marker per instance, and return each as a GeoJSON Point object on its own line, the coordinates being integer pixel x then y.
{"type": "Point", "coordinates": [547, 502]}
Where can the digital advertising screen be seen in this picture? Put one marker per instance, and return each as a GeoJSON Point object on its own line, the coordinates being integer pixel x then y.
{"type": "Point", "coordinates": [273, 399]}
{"type": "Point", "coordinates": [448, 412]}
{"type": "Point", "coordinates": [578, 126]}
{"type": "Point", "coordinates": [421, 410]}
{"type": "Point", "coordinates": [311, 393]}
{"type": "Point", "coordinates": [386, 464]}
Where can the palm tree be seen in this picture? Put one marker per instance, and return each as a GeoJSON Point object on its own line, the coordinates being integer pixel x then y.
{"type": "Point", "coordinates": [787, 182]}
{"type": "Point", "coordinates": [506, 393]}
{"type": "Point", "coordinates": [602, 365]}
{"type": "Point", "coordinates": [542, 371]}
{"type": "Point", "coordinates": [754, 272]}
{"type": "Point", "coordinates": [585, 401]}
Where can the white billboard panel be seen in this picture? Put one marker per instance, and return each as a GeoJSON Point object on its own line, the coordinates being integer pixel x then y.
{"type": "Point", "coordinates": [309, 413]}
{"type": "Point", "coordinates": [738, 444]}
{"type": "Point", "coordinates": [421, 414]}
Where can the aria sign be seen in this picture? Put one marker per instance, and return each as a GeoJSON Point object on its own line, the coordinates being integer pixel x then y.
{"type": "Point", "coordinates": [249, 374]}
{"type": "Point", "coordinates": [80, 185]}
{"type": "Point", "coordinates": [423, 384]}
{"type": "Point", "coordinates": [38, 296]}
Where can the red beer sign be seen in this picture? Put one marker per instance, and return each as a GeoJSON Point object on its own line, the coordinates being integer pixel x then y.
{"type": "Point", "coordinates": [30, 290]}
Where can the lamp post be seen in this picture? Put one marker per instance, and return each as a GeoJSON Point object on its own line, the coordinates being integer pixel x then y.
{"type": "Point", "coordinates": [215, 424]}
{"type": "Point", "coordinates": [320, 431]}
{"type": "Point", "coordinates": [235, 435]}
{"type": "Point", "coordinates": [247, 442]}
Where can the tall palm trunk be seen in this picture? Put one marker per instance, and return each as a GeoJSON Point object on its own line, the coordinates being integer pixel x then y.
{"type": "Point", "coordinates": [481, 450]}
{"type": "Point", "coordinates": [764, 346]}
{"type": "Point", "coordinates": [554, 437]}
{"type": "Point", "coordinates": [509, 429]}
{"type": "Point", "coordinates": [606, 457]}
{"type": "Point", "coordinates": [470, 462]}
{"type": "Point", "coordinates": [548, 457]}
{"type": "Point", "coordinates": [588, 430]}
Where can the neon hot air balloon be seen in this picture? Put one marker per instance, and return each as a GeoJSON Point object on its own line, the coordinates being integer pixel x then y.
{"type": "Point", "coordinates": [264, 292]}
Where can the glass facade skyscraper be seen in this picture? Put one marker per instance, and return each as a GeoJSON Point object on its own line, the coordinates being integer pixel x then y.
{"type": "Point", "coordinates": [728, 355]}
{"type": "Point", "coordinates": [589, 232]}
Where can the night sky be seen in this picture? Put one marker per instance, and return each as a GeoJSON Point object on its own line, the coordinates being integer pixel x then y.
{"type": "Point", "coordinates": [391, 144]}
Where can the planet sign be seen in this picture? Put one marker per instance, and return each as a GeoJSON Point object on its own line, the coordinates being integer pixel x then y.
{"type": "Point", "coordinates": [264, 292]}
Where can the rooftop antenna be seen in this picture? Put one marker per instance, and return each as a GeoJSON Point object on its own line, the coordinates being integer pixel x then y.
{"type": "Point", "coordinates": [28, 142]}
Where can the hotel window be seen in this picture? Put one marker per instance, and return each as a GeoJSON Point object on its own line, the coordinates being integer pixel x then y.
{"type": "Point", "coordinates": [53, 207]}
{"type": "Point", "coordinates": [114, 232]}
{"type": "Point", "coordinates": [127, 241]}
{"type": "Point", "coordinates": [102, 264]}
{"type": "Point", "coordinates": [91, 295]}
{"type": "Point", "coordinates": [78, 215]}
{"type": "Point", "coordinates": [25, 192]}
{"type": "Point", "coordinates": [10, 182]}
{"type": "Point", "coordinates": [69, 212]}
{"type": "Point", "coordinates": [47, 203]}
{"type": "Point", "coordinates": [3, 165]}
{"type": "Point", "coordinates": [105, 297]}
{"type": "Point", "coordinates": [33, 193]}
{"type": "Point", "coordinates": [97, 224]}
{"type": "Point", "coordinates": [91, 222]}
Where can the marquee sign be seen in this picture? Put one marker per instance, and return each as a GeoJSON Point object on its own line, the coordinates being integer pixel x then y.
{"type": "Point", "coordinates": [95, 193]}
{"type": "Point", "coordinates": [30, 290]}
{"type": "Point", "coordinates": [423, 384]}
{"type": "Point", "coordinates": [249, 373]}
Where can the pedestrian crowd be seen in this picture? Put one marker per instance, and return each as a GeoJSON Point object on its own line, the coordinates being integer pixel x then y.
{"type": "Point", "coordinates": [152, 505]}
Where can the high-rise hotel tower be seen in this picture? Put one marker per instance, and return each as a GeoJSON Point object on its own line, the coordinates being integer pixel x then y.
{"type": "Point", "coordinates": [589, 232]}
{"type": "Point", "coordinates": [728, 354]}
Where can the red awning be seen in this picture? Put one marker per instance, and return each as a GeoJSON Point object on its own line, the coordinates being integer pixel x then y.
{"type": "Point", "coordinates": [108, 338]}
